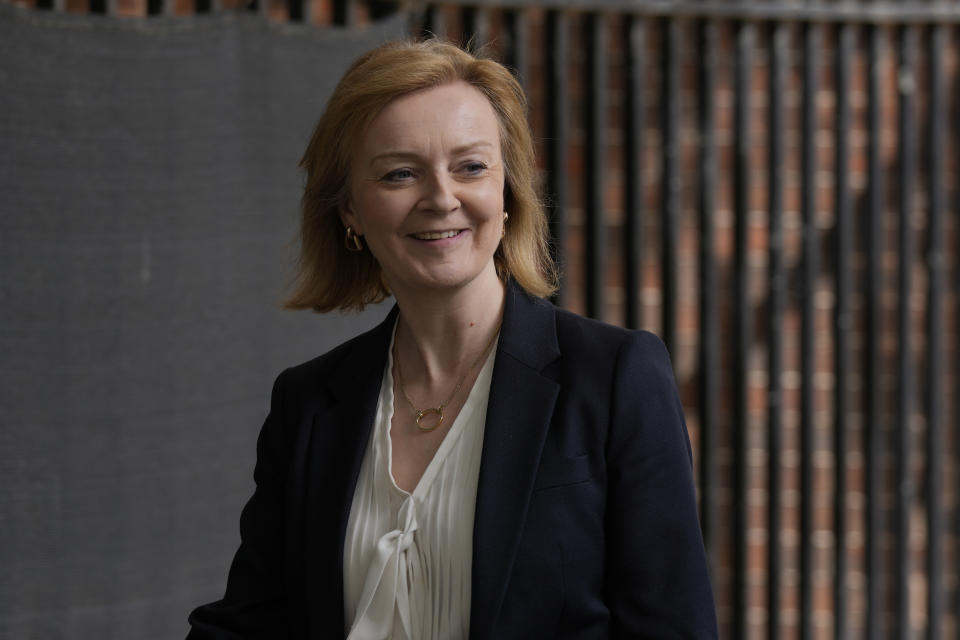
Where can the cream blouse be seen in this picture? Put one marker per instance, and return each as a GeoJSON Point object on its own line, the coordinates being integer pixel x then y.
{"type": "Point", "coordinates": [407, 556]}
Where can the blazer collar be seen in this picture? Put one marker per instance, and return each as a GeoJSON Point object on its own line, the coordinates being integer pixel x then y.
{"type": "Point", "coordinates": [522, 398]}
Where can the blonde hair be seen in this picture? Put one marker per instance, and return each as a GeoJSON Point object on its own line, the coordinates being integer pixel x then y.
{"type": "Point", "coordinates": [328, 276]}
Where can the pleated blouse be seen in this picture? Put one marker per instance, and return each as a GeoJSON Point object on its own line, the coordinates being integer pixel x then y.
{"type": "Point", "coordinates": [408, 556]}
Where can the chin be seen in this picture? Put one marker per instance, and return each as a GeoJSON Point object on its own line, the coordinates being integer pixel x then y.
{"type": "Point", "coordinates": [449, 276]}
{"type": "Point", "coordinates": [450, 282]}
{"type": "Point", "coordinates": [447, 280]}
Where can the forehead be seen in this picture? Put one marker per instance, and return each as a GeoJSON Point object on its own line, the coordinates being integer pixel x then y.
{"type": "Point", "coordinates": [455, 113]}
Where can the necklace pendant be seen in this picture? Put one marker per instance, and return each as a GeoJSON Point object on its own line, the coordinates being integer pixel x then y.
{"type": "Point", "coordinates": [430, 426]}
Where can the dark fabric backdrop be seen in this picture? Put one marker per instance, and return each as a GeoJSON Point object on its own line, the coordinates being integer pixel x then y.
{"type": "Point", "coordinates": [148, 203]}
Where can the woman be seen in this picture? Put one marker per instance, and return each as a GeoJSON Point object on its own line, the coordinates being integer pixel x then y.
{"type": "Point", "coordinates": [481, 464]}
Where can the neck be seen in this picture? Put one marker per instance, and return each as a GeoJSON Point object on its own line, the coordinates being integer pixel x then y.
{"type": "Point", "coordinates": [441, 334]}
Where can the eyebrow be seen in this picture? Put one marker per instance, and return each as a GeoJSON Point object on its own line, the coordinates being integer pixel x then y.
{"type": "Point", "coordinates": [404, 155]}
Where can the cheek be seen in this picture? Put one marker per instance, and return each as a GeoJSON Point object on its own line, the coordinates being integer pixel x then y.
{"type": "Point", "coordinates": [371, 213]}
{"type": "Point", "coordinates": [490, 198]}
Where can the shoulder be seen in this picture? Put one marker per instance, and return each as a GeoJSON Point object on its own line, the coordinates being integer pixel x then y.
{"type": "Point", "coordinates": [593, 340]}
{"type": "Point", "coordinates": [339, 364]}
{"type": "Point", "coordinates": [329, 361]}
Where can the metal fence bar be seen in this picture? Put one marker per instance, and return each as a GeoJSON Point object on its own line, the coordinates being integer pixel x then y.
{"type": "Point", "coordinates": [595, 143]}
{"type": "Point", "coordinates": [811, 86]}
{"type": "Point", "coordinates": [471, 25]}
{"type": "Point", "coordinates": [518, 46]}
{"type": "Point", "coordinates": [841, 321]}
{"type": "Point", "coordinates": [435, 23]}
{"type": "Point", "coordinates": [344, 12]}
{"type": "Point", "coordinates": [954, 132]}
{"type": "Point", "coordinates": [558, 44]}
{"type": "Point", "coordinates": [296, 9]}
{"type": "Point", "coordinates": [873, 412]}
{"type": "Point", "coordinates": [670, 188]}
{"type": "Point", "coordinates": [476, 26]}
{"type": "Point", "coordinates": [707, 347]}
{"type": "Point", "coordinates": [743, 62]}
{"type": "Point", "coordinates": [633, 82]}
{"type": "Point", "coordinates": [907, 157]}
{"type": "Point", "coordinates": [778, 53]}
{"type": "Point", "coordinates": [937, 132]}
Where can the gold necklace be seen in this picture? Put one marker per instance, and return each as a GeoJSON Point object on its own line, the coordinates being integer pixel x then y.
{"type": "Point", "coordinates": [438, 411]}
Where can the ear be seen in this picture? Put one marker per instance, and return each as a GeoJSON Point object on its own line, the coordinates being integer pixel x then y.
{"type": "Point", "coordinates": [349, 218]}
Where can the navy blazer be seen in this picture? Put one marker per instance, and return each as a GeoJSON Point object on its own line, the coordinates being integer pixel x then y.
{"type": "Point", "coordinates": [585, 525]}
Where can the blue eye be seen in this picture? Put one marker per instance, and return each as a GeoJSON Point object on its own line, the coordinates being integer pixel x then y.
{"type": "Point", "coordinates": [398, 175]}
{"type": "Point", "coordinates": [474, 168]}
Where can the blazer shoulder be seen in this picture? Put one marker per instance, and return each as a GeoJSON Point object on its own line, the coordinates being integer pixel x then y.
{"type": "Point", "coordinates": [605, 339]}
{"type": "Point", "coordinates": [344, 357]}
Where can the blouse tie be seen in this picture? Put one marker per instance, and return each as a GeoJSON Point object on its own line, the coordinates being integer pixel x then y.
{"type": "Point", "coordinates": [386, 588]}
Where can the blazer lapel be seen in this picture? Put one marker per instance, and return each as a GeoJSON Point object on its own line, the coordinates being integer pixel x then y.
{"type": "Point", "coordinates": [338, 440]}
{"type": "Point", "coordinates": [519, 412]}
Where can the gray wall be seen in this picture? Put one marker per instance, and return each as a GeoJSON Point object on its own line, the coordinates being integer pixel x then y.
{"type": "Point", "coordinates": [148, 202]}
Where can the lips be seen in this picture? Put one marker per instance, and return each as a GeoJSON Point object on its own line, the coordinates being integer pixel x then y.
{"type": "Point", "coordinates": [436, 235]}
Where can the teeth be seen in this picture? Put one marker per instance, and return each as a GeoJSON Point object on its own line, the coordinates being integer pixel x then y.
{"type": "Point", "coordinates": [435, 235]}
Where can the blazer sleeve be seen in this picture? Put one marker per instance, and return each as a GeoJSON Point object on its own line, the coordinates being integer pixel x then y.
{"type": "Point", "coordinates": [657, 583]}
{"type": "Point", "coordinates": [254, 605]}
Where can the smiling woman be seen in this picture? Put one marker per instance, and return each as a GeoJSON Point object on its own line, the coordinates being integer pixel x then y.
{"type": "Point", "coordinates": [482, 464]}
{"type": "Point", "coordinates": [330, 276]}
{"type": "Point", "coordinates": [426, 192]}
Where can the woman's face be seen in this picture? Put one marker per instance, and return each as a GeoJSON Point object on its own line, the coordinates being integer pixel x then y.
{"type": "Point", "coordinates": [426, 189]}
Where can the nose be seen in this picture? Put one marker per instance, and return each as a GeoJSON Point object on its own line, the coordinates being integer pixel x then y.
{"type": "Point", "coordinates": [440, 194]}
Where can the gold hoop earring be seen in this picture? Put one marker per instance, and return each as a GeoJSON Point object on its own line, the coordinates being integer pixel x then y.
{"type": "Point", "coordinates": [352, 241]}
{"type": "Point", "coordinates": [503, 234]}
